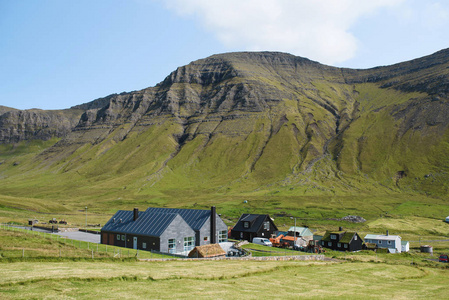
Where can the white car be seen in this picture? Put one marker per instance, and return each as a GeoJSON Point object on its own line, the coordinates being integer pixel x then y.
{"type": "Point", "coordinates": [262, 241]}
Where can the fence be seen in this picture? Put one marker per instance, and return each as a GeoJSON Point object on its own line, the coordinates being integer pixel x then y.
{"type": "Point", "coordinates": [56, 246]}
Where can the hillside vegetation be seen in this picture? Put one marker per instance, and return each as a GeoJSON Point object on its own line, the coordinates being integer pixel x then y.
{"type": "Point", "coordinates": [290, 136]}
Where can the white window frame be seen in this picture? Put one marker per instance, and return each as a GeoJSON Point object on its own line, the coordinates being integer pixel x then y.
{"type": "Point", "coordinates": [172, 246]}
{"type": "Point", "coordinates": [118, 236]}
{"type": "Point", "coordinates": [329, 244]}
{"type": "Point", "coordinates": [266, 225]}
{"type": "Point", "coordinates": [123, 237]}
{"type": "Point", "coordinates": [333, 236]}
{"type": "Point", "coordinates": [144, 245]}
{"type": "Point", "coordinates": [189, 243]}
{"type": "Point", "coordinates": [346, 246]}
{"type": "Point", "coordinates": [246, 224]}
{"type": "Point", "coordinates": [222, 236]}
{"type": "Point", "coordinates": [339, 245]}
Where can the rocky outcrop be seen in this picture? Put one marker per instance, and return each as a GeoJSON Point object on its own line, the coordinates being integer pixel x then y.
{"type": "Point", "coordinates": [19, 125]}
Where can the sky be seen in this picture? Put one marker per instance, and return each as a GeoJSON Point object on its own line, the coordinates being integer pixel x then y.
{"type": "Point", "coordinates": [55, 54]}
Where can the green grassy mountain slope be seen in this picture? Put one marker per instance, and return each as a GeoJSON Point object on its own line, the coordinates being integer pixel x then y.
{"type": "Point", "coordinates": [248, 125]}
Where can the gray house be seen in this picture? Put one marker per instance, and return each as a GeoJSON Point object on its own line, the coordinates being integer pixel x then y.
{"type": "Point", "coordinates": [168, 230]}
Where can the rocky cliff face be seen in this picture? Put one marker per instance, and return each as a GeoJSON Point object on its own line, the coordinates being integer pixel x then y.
{"type": "Point", "coordinates": [256, 119]}
{"type": "Point", "coordinates": [18, 125]}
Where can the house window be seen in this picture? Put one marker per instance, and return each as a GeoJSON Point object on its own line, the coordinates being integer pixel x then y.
{"type": "Point", "coordinates": [189, 243]}
{"type": "Point", "coordinates": [389, 242]}
{"type": "Point", "coordinates": [380, 242]}
{"type": "Point", "coordinates": [333, 236]}
{"type": "Point", "coordinates": [245, 224]}
{"type": "Point", "coordinates": [339, 245]}
{"type": "Point", "coordinates": [171, 246]}
{"type": "Point", "coordinates": [266, 225]}
{"type": "Point", "coordinates": [144, 245]}
{"type": "Point", "coordinates": [329, 244]}
{"type": "Point", "coordinates": [223, 236]}
{"type": "Point", "coordinates": [123, 237]}
{"type": "Point", "coordinates": [355, 237]}
{"type": "Point", "coordinates": [118, 237]}
{"type": "Point", "coordinates": [346, 246]}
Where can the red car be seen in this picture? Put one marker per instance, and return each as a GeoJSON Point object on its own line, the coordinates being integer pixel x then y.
{"type": "Point", "coordinates": [443, 258]}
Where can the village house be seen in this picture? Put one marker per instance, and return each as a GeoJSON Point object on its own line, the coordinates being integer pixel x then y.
{"type": "Point", "coordinates": [391, 242]}
{"type": "Point", "coordinates": [168, 230]}
{"type": "Point", "coordinates": [301, 235]}
{"type": "Point", "coordinates": [342, 240]}
{"type": "Point", "coordinates": [250, 226]}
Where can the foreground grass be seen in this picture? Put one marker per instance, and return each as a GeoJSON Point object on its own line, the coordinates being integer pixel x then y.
{"type": "Point", "coordinates": [220, 279]}
{"type": "Point", "coordinates": [17, 245]}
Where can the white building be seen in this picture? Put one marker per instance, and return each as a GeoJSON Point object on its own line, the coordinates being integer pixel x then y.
{"type": "Point", "coordinates": [391, 242]}
{"type": "Point", "coordinates": [405, 246]}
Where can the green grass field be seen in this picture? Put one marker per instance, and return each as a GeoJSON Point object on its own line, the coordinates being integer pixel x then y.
{"type": "Point", "coordinates": [42, 274]}
{"type": "Point", "coordinates": [220, 279]}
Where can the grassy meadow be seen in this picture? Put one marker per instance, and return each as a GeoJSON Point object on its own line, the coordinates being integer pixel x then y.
{"type": "Point", "coordinates": [43, 273]}
{"type": "Point", "coordinates": [221, 279]}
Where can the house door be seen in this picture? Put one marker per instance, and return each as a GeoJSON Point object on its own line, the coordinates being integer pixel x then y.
{"type": "Point", "coordinates": [135, 242]}
{"type": "Point", "coordinates": [111, 239]}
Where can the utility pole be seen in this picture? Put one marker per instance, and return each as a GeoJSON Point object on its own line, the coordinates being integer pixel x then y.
{"type": "Point", "coordinates": [294, 240]}
{"type": "Point", "coordinates": [86, 217]}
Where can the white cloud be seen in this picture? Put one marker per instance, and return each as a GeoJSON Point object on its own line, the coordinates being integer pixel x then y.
{"type": "Point", "coordinates": [317, 29]}
{"type": "Point", "coordinates": [435, 15]}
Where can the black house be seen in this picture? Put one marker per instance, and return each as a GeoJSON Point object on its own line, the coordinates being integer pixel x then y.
{"type": "Point", "coordinates": [250, 226]}
{"type": "Point", "coordinates": [342, 241]}
{"type": "Point", "coordinates": [168, 230]}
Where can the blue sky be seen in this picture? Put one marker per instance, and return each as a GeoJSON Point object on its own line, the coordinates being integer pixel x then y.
{"type": "Point", "coordinates": [58, 53]}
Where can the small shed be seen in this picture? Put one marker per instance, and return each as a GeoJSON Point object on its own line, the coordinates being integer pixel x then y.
{"type": "Point", "coordinates": [207, 251]}
{"type": "Point", "coordinates": [405, 246]}
{"type": "Point", "coordinates": [447, 219]}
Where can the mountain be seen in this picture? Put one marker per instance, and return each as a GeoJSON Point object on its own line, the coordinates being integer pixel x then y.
{"type": "Point", "coordinates": [242, 123]}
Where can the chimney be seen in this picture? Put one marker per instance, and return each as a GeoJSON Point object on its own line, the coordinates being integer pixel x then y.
{"type": "Point", "coordinates": [136, 214]}
{"type": "Point", "coordinates": [340, 228]}
{"type": "Point", "coordinates": [388, 232]}
{"type": "Point", "coordinates": [213, 226]}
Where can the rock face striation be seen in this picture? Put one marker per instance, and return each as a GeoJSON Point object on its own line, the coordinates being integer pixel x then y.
{"type": "Point", "coordinates": [260, 118]}
{"type": "Point", "coordinates": [21, 125]}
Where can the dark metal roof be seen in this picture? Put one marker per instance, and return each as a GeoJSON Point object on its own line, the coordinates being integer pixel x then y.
{"type": "Point", "coordinates": [194, 217]}
{"type": "Point", "coordinates": [152, 224]}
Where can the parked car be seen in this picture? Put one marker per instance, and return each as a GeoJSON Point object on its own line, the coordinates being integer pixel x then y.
{"type": "Point", "coordinates": [443, 258]}
{"type": "Point", "coordinates": [262, 241]}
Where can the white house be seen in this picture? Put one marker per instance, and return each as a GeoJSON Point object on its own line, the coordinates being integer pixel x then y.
{"type": "Point", "coordinates": [391, 242]}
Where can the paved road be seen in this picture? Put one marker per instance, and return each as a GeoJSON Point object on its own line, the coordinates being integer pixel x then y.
{"type": "Point", "coordinates": [75, 235]}
{"type": "Point", "coordinates": [81, 236]}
